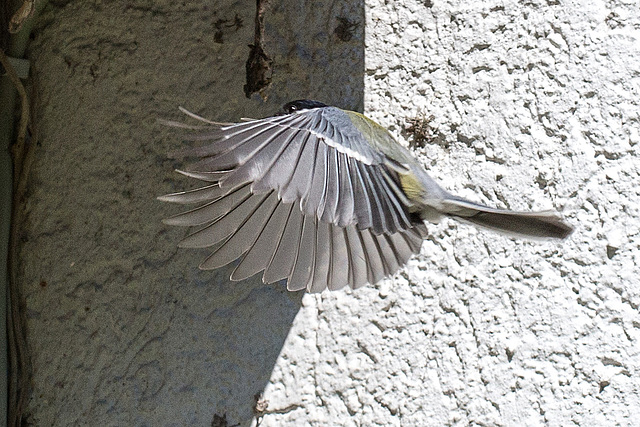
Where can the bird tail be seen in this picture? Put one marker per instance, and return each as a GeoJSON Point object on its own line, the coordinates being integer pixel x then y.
{"type": "Point", "coordinates": [521, 224]}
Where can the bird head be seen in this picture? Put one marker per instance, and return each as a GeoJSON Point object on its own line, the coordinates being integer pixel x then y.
{"type": "Point", "coordinates": [300, 105]}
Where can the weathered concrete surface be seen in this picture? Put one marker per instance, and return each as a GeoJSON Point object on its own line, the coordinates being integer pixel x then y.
{"type": "Point", "coordinates": [123, 328]}
{"type": "Point", "coordinates": [535, 106]}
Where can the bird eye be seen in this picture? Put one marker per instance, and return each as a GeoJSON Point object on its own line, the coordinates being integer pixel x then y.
{"type": "Point", "coordinates": [291, 109]}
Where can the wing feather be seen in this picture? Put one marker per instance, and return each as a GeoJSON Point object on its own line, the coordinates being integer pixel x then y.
{"type": "Point", "coordinates": [263, 250]}
{"type": "Point", "coordinates": [253, 167]}
{"type": "Point", "coordinates": [357, 258]}
{"type": "Point", "coordinates": [212, 210]}
{"type": "Point", "coordinates": [364, 216]}
{"type": "Point", "coordinates": [313, 200]}
{"type": "Point", "coordinates": [198, 195]}
{"type": "Point", "coordinates": [205, 176]}
{"type": "Point", "coordinates": [302, 197]}
{"type": "Point", "coordinates": [305, 157]}
{"type": "Point", "coordinates": [402, 249]}
{"type": "Point", "coordinates": [280, 171]}
{"type": "Point", "coordinates": [221, 138]}
{"type": "Point", "coordinates": [332, 189]}
{"type": "Point", "coordinates": [320, 274]}
{"type": "Point", "coordinates": [397, 217]}
{"type": "Point", "coordinates": [377, 210]}
{"type": "Point", "coordinates": [345, 214]}
{"type": "Point", "coordinates": [305, 256]}
{"type": "Point", "coordinates": [375, 266]}
{"type": "Point", "coordinates": [239, 151]}
{"type": "Point", "coordinates": [281, 264]}
{"type": "Point", "coordinates": [243, 238]}
{"type": "Point", "coordinates": [387, 254]}
{"type": "Point", "coordinates": [223, 226]}
{"type": "Point", "coordinates": [300, 183]}
{"type": "Point", "coordinates": [339, 267]}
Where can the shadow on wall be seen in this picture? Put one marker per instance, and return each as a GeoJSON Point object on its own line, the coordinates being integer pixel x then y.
{"type": "Point", "coordinates": [122, 326]}
{"type": "Point", "coordinates": [318, 53]}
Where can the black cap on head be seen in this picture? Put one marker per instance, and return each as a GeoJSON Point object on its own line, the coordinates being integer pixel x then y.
{"type": "Point", "coordinates": [301, 104]}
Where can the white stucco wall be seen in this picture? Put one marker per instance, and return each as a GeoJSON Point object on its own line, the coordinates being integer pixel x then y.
{"type": "Point", "coordinates": [537, 108]}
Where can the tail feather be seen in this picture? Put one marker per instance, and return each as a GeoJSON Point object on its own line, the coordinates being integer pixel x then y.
{"type": "Point", "coordinates": [522, 224]}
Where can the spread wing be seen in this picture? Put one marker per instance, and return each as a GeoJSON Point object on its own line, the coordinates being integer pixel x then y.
{"type": "Point", "coordinates": [269, 235]}
{"type": "Point", "coordinates": [314, 157]}
{"type": "Point", "coordinates": [301, 197]}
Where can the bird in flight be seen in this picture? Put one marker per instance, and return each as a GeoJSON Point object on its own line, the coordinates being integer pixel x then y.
{"type": "Point", "coordinates": [321, 197]}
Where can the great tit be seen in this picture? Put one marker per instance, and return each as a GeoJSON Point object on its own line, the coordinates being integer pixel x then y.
{"type": "Point", "coordinates": [321, 197]}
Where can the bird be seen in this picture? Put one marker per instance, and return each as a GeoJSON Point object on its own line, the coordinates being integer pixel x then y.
{"type": "Point", "coordinates": [320, 197]}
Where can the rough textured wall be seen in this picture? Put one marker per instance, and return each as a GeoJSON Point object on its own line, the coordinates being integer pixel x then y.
{"type": "Point", "coordinates": [534, 105]}
{"type": "Point", "coordinates": [123, 328]}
